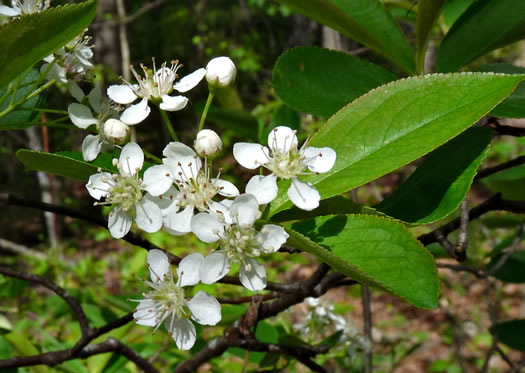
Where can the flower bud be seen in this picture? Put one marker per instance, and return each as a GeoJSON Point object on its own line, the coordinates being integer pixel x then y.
{"type": "Point", "coordinates": [208, 144]}
{"type": "Point", "coordinates": [116, 132]}
{"type": "Point", "coordinates": [220, 72]}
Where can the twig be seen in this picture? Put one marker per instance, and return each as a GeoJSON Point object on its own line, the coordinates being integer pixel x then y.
{"type": "Point", "coordinates": [503, 166]}
{"type": "Point", "coordinates": [145, 8]}
{"type": "Point", "coordinates": [462, 268]}
{"type": "Point", "coordinates": [508, 253]}
{"type": "Point", "coordinates": [367, 316]}
{"type": "Point", "coordinates": [21, 249]}
{"type": "Point", "coordinates": [501, 129]}
{"type": "Point", "coordinates": [241, 300]}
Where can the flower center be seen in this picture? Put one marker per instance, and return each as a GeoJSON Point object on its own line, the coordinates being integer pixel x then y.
{"type": "Point", "coordinates": [197, 190]}
{"type": "Point", "coordinates": [154, 84]}
{"type": "Point", "coordinates": [170, 300]}
{"type": "Point", "coordinates": [240, 242]}
{"type": "Point", "coordinates": [287, 165]}
{"type": "Point", "coordinates": [126, 191]}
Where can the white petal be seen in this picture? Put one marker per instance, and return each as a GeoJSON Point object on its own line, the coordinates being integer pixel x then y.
{"type": "Point", "coordinates": [95, 97]}
{"type": "Point", "coordinates": [190, 81]}
{"type": "Point", "coordinates": [91, 147]}
{"type": "Point", "coordinates": [255, 278]}
{"type": "Point", "coordinates": [205, 309]}
{"type": "Point", "coordinates": [319, 160]}
{"type": "Point", "coordinates": [121, 94]}
{"type": "Point", "coordinates": [167, 201]}
{"type": "Point", "coordinates": [282, 139]}
{"type": "Point", "coordinates": [264, 188]}
{"type": "Point", "coordinates": [273, 236]}
{"type": "Point", "coordinates": [222, 209]}
{"type": "Point", "coordinates": [136, 113]}
{"type": "Point", "coordinates": [206, 227]}
{"type": "Point", "coordinates": [148, 215]}
{"type": "Point", "coordinates": [180, 222]}
{"type": "Point", "coordinates": [158, 264]}
{"type": "Point", "coordinates": [81, 115]}
{"type": "Point", "coordinates": [131, 158]}
{"type": "Point", "coordinates": [183, 332]}
{"type": "Point", "coordinates": [177, 153]}
{"type": "Point", "coordinates": [245, 210]}
{"type": "Point", "coordinates": [100, 184]}
{"type": "Point", "coordinates": [250, 155]}
{"type": "Point", "coordinates": [119, 223]}
{"type": "Point", "coordinates": [173, 103]}
{"type": "Point", "coordinates": [75, 90]}
{"type": "Point", "coordinates": [157, 180]}
{"type": "Point", "coordinates": [303, 195]}
{"type": "Point", "coordinates": [10, 12]}
{"type": "Point", "coordinates": [188, 270]}
{"type": "Point", "coordinates": [214, 267]}
{"type": "Point", "coordinates": [226, 188]}
{"type": "Point", "coordinates": [145, 313]}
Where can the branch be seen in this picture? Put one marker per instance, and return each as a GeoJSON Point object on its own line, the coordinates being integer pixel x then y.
{"type": "Point", "coordinates": [503, 166]}
{"type": "Point", "coordinates": [505, 130]}
{"type": "Point", "coordinates": [122, 21]}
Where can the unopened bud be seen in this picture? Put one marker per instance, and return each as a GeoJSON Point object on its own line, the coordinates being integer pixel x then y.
{"type": "Point", "coordinates": [116, 132]}
{"type": "Point", "coordinates": [220, 72]}
{"type": "Point", "coordinates": [208, 144]}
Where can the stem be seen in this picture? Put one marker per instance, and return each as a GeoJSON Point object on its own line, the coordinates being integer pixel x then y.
{"type": "Point", "coordinates": [15, 89]}
{"type": "Point", "coordinates": [152, 157]}
{"type": "Point", "coordinates": [167, 122]}
{"type": "Point", "coordinates": [7, 93]}
{"type": "Point", "coordinates": [206, 108]}
{"type": "Point", "coordinates": [10, 108]}
{"type": "Point", "coordinates": [52, 111]}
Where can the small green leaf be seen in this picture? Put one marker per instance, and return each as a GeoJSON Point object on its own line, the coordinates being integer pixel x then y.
{"type": "Point", "coordinates": [514, 105]}
{"type": "Point", "coordinates": [26, 40]}
{"type": "Point", "coordinates": [485, 26]}
{"type": "Point", "coordinates": [511, 333]}
{"type": "Point", "coordinates": [513, 270]}
{"type": "Point", "coordinates": [427, 14]}
{"type": "Point", "coordinates": [510, 183]}
{"type": "Point", "coordinates": [366, 21]}
{"type": "Point", "coordinates": [438, 186]}
{"type": "Point", "coordinates": [373, 250]}
{"type": "Point", "coordinates": [321, 81]}
{"type": "Point", "coordinates": [397, 123]}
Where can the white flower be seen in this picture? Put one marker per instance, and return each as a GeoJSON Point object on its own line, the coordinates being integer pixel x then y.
{"type": "Point", "coordinates": [196, 188]}
{"type": "Point", "coordinates": [156, 87]}
{"type": "Point", "coordinates": [208, 143]}
{"type": "Point", "coordinates": [240, 242]}
{"type": "Point", "coordinates": [285, 161]}
{"type": "Point", "coordinates": [167, 302]}
{"type": "Point", "coordinates": [220, 72]}
{"type": "Point", "coordinates": [125, 192]}
{"type": "Point", "coordinates": [23, 7]}
{"type": "Point", "coordinates": [116, 132]}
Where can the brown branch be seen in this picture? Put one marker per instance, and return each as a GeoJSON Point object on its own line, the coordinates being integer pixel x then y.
{"type": "Point", "coordinates": [503, 166]}
{"type": "Point", "coordinates": [501, 129]}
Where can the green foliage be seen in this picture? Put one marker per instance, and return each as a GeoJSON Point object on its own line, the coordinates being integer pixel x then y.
{"type": "Point", "coordinates": [510, 183]}
{"type": "Point", "coordinates": [438, 186]}
{"type": "Point", "coordinates": [29, 39]}
{"type": "Point", "coordinates": [321, 81]}
{"type": "Point", "coordinates": [427, 13]}
{"type": "Point", "coordinates": [373, 250]}
{"type": "Point", "coordinates": [513, 269]}
{"type": "Point", "coordinates": [485, 26]}
{"type": "Point", "coordinates": [511, 333]}
{"type": "Point", "coordinates": [514, 105]}
{"type": "Point", "coordinates": [453, 9]}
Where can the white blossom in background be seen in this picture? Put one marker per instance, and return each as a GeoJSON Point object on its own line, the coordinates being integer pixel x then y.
{"type": "Point", "coordinates": [125, 192]}
{"type": "Point", "coordinates": [208, 144]}
{"type": "Point", "coordinates": [154, 86]}
{"type": "Point", "coordinates": [220, 72]}
{"type": "Point", "coordinates": [240, 242]}
{"type": "Point", "coordinates": [167, 304]}
{"type": "Point", "coordinates": [196, 187]}
{"type": "Point", "coordinates": [285, 161]}
{"type": "Point", "coordinates": [24, 7]}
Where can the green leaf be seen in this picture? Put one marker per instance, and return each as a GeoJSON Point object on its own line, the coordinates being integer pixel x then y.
{"type": "Point", "coordinates": [26, 40]}
{"type": "Point", "coordinates": [67, 164]}
{"type": "Point", "coordinates": [427, 14]}
{"type": "Point", "coordinates": [438, 186]}
{"type": "Point", "coordinates": [239, 121]}
{"type": "Point", "coordinates": [514, 105]}
{"type": "Point", "coordinates": [25, 347]}
{"type": "Point", "coordinates": [397, 123]}
{"type": "Point", "coordinates": [513, 270]}
{"type": "Point", "coordinates": [511, 333]}
{"type": "Point", "coordinates": [453, 9]}
{"type": "Point", "coordinates": [366, 21]}
{"type": "Point", "coordinates": [321, 81]}
{"type": "Point", "coordinates": [485, 26]}
{"type": "Point", "coordinates": [373, 250]}
{"type": "Point", "coordinates": [510, 183]}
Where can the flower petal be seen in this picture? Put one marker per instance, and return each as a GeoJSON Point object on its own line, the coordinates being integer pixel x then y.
{"type": "Point", "coordinates": [100, 184]}
{"type": "Point", "coordinates": [255, 278]}
{"type": "Point", "coordinates": [119, 223]}
{"type": "Point", "coordinates": [273, 236]}
{"type": "Point", "coordinates": [264, 188]}
{"type": "Point", "coordinates": [131, 159]}
{"type": "Point", "coordinates": [207, 227]}
{"type": "Point", "coordinates": [282, 139]}
{"type": "Point", "coordinates": [226, 188]}
{"type": "Point", "coordinates": [173, 103]}
{"type": "Point", "coordinates": [157, 180]}
{"type": "Point", "coordinates": [183, 332]}
{"type": "Point", "coordinates": [245, 210]}
{"type": "Point", "coordinates": [167, 201]}
{"type": "Point", "coordinates": [75, 90]}
{"type": "Point", "coordinates": [148, 215]}
{"type": "Point", "coordinates": [205, 309]}
{"type": "Point", "coordinates": [214, 267]}
{"type": "Point", "coordinates": [121, 94]}
{"type": "Point", "coordinates": [303, 195]}
{"type": "Point", "coordinates": [188, 270]}
{"type": "Point", "coordinates": [145, 313]}
{"type": "Point", "coordinates": [81, 115]}
{"type": "Point", "coordinates": [319, 160]}
{"type": "Point", "coordinates": [182, 160]}
{"type": "Point", "coordinates": [9, 12]}
{"type": "Point", "coordinates": [91, 147]}
{"type": "Point", "coordinates": [158, 264]}
{"type": "Point", "coordinates": [180, 222]}
{"type": "Point", "coordinates": [250, 155]}
{"type": "Point", "coordinates": [190, 81]}
{"type": "Point", "coordinates": [136, 113]}
{"type": "Point", "coordinates": [222, 209]}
